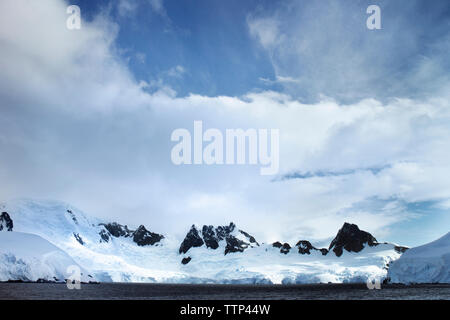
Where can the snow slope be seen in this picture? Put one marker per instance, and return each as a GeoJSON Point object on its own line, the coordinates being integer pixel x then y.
{"type": "Point", "coordinates": [265, 264]}
{"type": "Point", "coordinates": [429, 263]}
{"type": "Point", "coordinates": [121, 260]}
{"type": "Point", "coordinates": [28, 257]}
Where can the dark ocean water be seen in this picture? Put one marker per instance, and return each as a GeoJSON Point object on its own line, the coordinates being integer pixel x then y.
{"type": "Point", "coordinates": [127, 291]}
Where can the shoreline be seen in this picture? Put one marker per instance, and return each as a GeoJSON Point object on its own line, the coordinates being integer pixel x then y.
{"type": "Point", "coordinates": [225, 292]}
{"type": "Point", "coordinates": [353, 284]}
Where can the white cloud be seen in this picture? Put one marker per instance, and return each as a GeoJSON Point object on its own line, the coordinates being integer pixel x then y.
{"type": "Point", "coordinates": [141, 57]}
{"type": "Point", "coordinates": [266, 30]}
{"type": "Point", "coordinates": [76, 125]}
{"type": "Point", "coordinates": [176, 72]}
{"type": "Point", "coordinates": [158, 7]}
{"type": "Point", "coordinates": [127, 7]}
{"type": "Point", "coordinates": [73, 69]}
{"type": "Point", "coordinates": [280, 79]}
{"type": "Point", "coordinates": [327, 48]}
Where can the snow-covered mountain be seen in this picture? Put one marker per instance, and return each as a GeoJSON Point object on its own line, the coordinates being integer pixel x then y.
{"type": "Point", "coordinates": [429, 263]}
{"type": "Point", "coordinates": [207, 254]}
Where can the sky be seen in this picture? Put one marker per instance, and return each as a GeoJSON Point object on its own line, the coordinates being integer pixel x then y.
{"type": "Point", "coordinates": [86, 115]}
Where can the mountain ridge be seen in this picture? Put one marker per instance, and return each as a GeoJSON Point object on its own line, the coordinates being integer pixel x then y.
{"type": "Point", "coordinates": [207, 253]}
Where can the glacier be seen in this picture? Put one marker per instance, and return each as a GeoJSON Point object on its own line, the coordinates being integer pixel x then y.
{"type": "Point", "coordinates": [429, 263]}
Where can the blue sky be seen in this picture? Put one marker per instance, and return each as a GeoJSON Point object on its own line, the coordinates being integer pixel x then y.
{"type": "Point", "coordinates": [210, 39]}
{"type": "Point", "coordinates": [213, 42]}
{"type": "Point", "coordinates": [364, 115]}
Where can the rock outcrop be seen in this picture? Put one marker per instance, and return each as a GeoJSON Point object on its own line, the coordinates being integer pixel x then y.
{"type": "Point", "coordinates": [192, 239]}
{"type": "Point", "coordinates": [6, 223]}
{"type": "Point", "coordinates": [141, 236]}
{"type": "Point", "coordinates": [352, 239]}
{"type": "Point", "coordinates": [305, 247]}
{"type": "Point", "coordinates": [234, 240]}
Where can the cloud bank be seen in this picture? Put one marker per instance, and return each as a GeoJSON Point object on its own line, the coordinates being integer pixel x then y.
{"type": "Point", "coordinates": [76, 125]}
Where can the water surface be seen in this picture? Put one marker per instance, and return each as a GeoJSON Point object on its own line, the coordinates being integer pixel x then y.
{"type": "Point", "coordinates": [127, 291]}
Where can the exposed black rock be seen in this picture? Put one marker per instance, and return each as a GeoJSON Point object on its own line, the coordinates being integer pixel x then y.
{"type": "Point", "coordinates": [223, 231]}
{"type": "Point", "coordinates": [249, 237]}
{"type": "Point", "coordinates": [305, 247]}
{"type": "Point", "coordinates": [143, 237]}
{"type": "Point", "coordinates": [6, 222]}
{"type": "Point", "coordinates": [235, 245]}
{"type": "Point", "coordinates": [104, 235]}
{"type": "Point", "coordinates": [351, 239]}
{"type": "Point", "coordinates": [186, 260]}
{"type": "Point", "coordinates": [78, 238]}
{"type": "Point", "coordinates": [277, 244]}
{"type": "Point", "coordinates": [192, 239]}
{"type": "Point", "coordinates": [209, 237]}
{"type": "Point", "coordinates": [117, 230]}
{"type": "Point", "coordinates": [285, 248]}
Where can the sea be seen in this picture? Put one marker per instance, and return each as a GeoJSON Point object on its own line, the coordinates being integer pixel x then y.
{"type": "Point", "coordinates": [146, 291]}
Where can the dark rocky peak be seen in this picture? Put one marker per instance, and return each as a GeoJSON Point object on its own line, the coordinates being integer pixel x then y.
{"type": "Point", "coordinates": [143, 237]}
{"type": "Point", "coordinates": [284, 247]}
{"type": "Point", "coordinates": [192, 239]}
{"type": "Point", "coordinates": [235, 245]}
{"type": "Point", "coordinates": [305, 247]}
{"type": "Point", "coordinates": [277, 244]}
{"type": "Point", "coordinates": [352, 239]}
{"type": "Point", "coordinates": [117, 230]}
{"type": "Point", "coordinates": [211, 237]}
{"type": "Point", "coordinates": [6, 223]}
{"type": "Point", "coordinates": [224, 231]}
{"type": "Point", "coordinates": [249, 237]}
